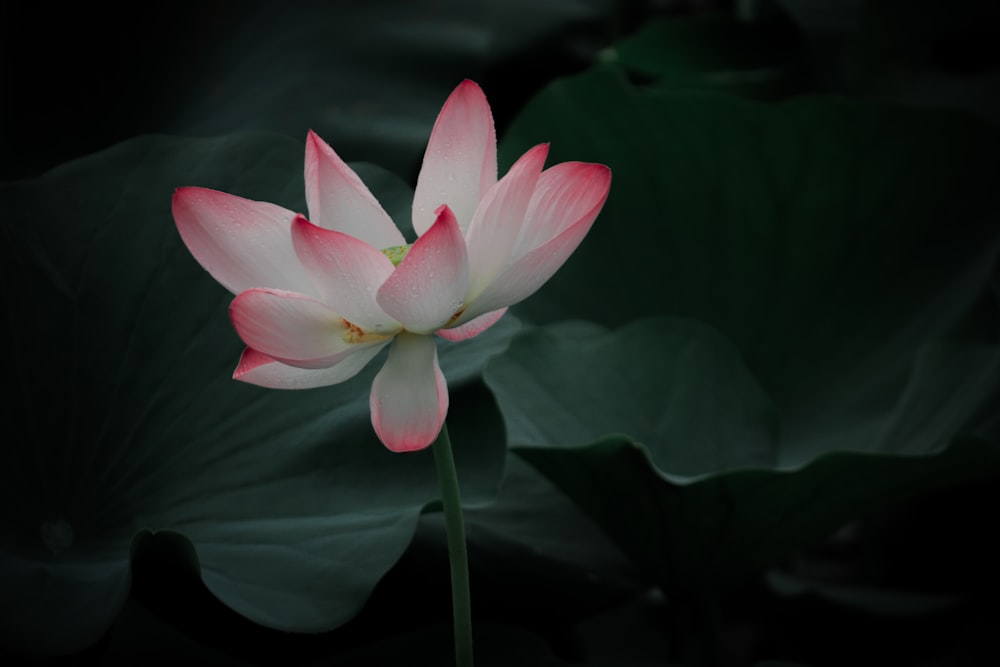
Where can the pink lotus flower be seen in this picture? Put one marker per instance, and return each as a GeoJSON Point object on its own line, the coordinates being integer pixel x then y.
{"type": "Point", "coordinates": [317, 298]}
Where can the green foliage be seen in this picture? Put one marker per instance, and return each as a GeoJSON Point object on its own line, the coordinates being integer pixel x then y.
{"type": "Point", "coordinates": [765, 59]}
{"type": "Point", "coordinates": [673, 450]}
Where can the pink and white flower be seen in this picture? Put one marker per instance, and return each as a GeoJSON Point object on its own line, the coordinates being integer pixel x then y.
{"type": "Point", "coordinates": [317, 298]}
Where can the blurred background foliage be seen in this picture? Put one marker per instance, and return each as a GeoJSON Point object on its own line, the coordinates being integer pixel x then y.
{"type": "Point", "coordinates": [803, 226]}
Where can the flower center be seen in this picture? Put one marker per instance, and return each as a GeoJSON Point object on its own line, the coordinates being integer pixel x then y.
{"type": "Point", "coordinates": [355, 334]}
{"type": "Point", "coordinates": [396, 253]}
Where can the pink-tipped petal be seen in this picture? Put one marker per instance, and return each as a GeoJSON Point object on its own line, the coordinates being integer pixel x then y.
{"type": "Point", "coordinates": [532, 270]}
{"type": "Point", "coordinates": [348, 273]}
{"type": "Point", "coordinates": [338, 199]}
{"type": "Point", "coordinates": [409, 398]}
{"type": "Point", "coordinates": [257, 368]}
{"type": "Point", "coordinates": [473, 327]}
{"type": "Point", "coordinates": [496, 224]}
{"type": "Point", "coordinates": [241, 242]}
{"type": "Point", "coordinates": [293, 328]}
{"type": "Point", "coordinates": [428, 286]}
{"type": "Point", "coordinates": [460, 162]}
{"type": "Point", "coordinates": [565, 194]}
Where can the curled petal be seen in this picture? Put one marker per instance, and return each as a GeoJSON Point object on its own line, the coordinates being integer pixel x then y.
{"type": "Point", "coordinates": [264, 371]}
{"type": "Point", "coordinates": [294, 328]}
{"type": "Point", "coordinates": [460, 162]}
{"type": "Point", "coordinates": [338, 199]}
{"type": "Point", "coordinates": [472, 327]}
{"type": "Point", "coordinates": [428, 286]}
{"type": "Point", "coordinates": [241, 242]}
{"type": "Point", "coordinates": [496, 225]}
{"type": "Point", "coordinates": [409, 398]}
{"type": "Point", "coordinates": [348, 273]}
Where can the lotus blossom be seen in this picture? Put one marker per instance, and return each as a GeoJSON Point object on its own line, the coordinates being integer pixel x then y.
{"type": "Point", "coordinates": [317, 298]}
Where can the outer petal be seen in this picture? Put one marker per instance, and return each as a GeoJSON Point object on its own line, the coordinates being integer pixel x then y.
{"type": "Point", "coordinates": [473, 327]}
{"type": "Point", "coordinates": [338, 199]}
{"type": "Point", "coordinates": [460, 162]}
{"type": "Point", "coordinates": [496, 224]}
{"type": "Point", "coordinates": [409, 398]}
{"type": "Point", "coordinates": [259, 369]}
{"type": "Point", "coordinates": [348, 273]}
{"type": "Point", "coordinates": [294, 328]}
{"type": "Point", "coordinates": [565, 194]}
{"type": "Point", "coordinates": [242, 243]}
{"type": "Point", "coordinates": [531, 270]}
{"type": "Point", "coordinates": [428, 286]}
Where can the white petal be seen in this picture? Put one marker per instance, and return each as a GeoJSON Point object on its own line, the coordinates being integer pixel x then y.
{"type": "Point", "coordinates": [294, 328]}
{"type": "Point", "coordinates": [529, 273]}
{"type": "Point", "coordinates": [348, 273]}
{"type": "Point", "coordinates": [409, 398]}
{"type": "Point", "coordinates": [241, 242]}
{"type": "Point", "coordinates": [497, 223]}
{"type": "Point", "coordinates": [259, 369]}
{"type": "Point", "coordinates": [469, 328]}
{"type": "Point", "coordinates": [428, 286]}
{"type": "Point", "coordinates": [564, 195]}
{"type": "Point", "coordinates": [460, 162]}
{"type": "Point", "coordinates": [566, 201]}
{"type": "Point", "coordinates": [338, 199]}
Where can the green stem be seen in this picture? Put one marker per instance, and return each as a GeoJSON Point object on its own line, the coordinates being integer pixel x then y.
{"type": "Point", "coordinates": [451, 501]}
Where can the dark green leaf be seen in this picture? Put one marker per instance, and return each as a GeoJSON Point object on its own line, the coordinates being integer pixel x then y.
{"type": "Point", "coordinates": [865, 599]}
{"type": "Point", "coordinates": [925, 52]}
{"type": "Point", "coordinates": [719, 530]}
{"type": "Point", "coordinates": [763, 59]}
{"type": "Point", "coordinates": [674, 386]}
{"type": "Point", "coordinates": [699, 487]}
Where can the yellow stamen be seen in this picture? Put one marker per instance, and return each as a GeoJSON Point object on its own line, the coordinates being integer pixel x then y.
{"type": "Point", "coordinates": [396, 253]}
{"type": "Point", "coordinates": [355, 334]}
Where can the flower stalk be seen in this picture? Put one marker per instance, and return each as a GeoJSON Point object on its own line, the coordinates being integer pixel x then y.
{"type": "Point", "coordinates": [451, 502]}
